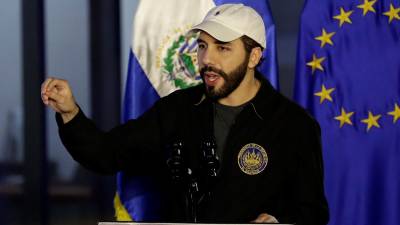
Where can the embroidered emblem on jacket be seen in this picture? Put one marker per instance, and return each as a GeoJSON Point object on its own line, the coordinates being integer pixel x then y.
{"type": "Point", "coordinates": [252, 159]}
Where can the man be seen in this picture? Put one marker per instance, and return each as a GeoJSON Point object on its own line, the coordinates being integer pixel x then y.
{"type": "Point", "coordinates": [268, 148]}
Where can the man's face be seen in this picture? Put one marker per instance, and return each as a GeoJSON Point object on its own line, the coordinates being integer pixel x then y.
{"type": "Point", "coordinates": [223, 65]}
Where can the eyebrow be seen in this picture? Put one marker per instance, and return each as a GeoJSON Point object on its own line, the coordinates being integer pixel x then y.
{"type": "Point", "coordinates": [199, 40]}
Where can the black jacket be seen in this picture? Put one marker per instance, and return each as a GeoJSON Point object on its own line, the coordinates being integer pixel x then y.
{"type": "Point", "coordinates": [289, 187]}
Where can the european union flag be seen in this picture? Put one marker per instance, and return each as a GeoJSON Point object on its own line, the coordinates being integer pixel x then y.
{"type": "Point", "coordinates": [348, 77]}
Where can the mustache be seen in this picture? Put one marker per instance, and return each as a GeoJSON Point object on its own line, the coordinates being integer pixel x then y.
{"type": "Point", "coordinates": [212, 69]}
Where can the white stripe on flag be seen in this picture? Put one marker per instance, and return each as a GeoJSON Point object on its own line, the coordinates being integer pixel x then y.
{"type": "Point", "coordinates": [156, 43]}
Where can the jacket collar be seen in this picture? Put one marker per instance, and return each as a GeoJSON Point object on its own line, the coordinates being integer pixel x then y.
{"type": "Point", "coordinates": [265, 99]}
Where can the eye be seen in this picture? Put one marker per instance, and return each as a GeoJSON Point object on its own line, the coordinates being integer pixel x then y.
{"type": "Point", "coordinates": [223, 48]}
{"type": "Point", "coordinates": [201, 45]}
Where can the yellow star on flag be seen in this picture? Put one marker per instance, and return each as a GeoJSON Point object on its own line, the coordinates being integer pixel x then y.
{"type": "Point", "coordinates": [393, 13]}
{"type": "Point", "coordinates": [395, 113]}
{"type": "Point", "coordinates": [344, 118]}
{"type": "Point", "coordinates": [371, 120]}
{"type": "Point", "coordinates": [316, 63]}
{"type": "Point", "coordinates": [325, 94]}
{"type": "Point", "coordinates": [325, 38]}
{"type": "Point", "coordinates": [367, 6]}
{"type": "Point", "coordinates": [343, 16]}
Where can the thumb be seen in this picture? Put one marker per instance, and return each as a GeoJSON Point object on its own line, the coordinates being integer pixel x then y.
{"type": "Point", "coordinates": [265, 218]}
{"type": "Point", "coordinates": [53, 95]}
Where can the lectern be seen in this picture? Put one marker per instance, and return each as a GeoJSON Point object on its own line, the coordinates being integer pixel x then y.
{"type": "Point", "coordinates": [133, 223]}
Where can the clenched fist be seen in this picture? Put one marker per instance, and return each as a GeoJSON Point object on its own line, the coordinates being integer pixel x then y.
{"type": "Point", "coordinates": [57, 94]}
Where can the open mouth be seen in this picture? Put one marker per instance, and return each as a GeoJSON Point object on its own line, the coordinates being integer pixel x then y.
{"type": "Point", "coordinates": [211, 78]}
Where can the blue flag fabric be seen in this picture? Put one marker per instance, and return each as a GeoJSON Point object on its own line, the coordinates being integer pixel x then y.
{"type": "Point", "coordinates": [137, 194]}
{"type": "Point", "coordinates": [348, 78]}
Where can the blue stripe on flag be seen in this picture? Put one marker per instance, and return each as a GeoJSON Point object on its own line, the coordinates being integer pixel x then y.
{"type": "Point", "coordinates": [139, 93]}
{"type": "Point", "coordinates": [136, 193]}
{"type": "Point", "coordinates": [139, 196]}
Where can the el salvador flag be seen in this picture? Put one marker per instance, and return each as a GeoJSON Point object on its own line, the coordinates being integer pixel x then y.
{"type": "Point", "coordinates": [162, 60]}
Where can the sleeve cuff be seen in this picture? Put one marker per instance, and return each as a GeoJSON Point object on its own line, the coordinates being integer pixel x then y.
{"type": "Point", "coordinates": [78, 117]}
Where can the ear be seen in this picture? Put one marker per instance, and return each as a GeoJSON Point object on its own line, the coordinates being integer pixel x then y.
{"type": "Point", "coordinates": [255, 57]}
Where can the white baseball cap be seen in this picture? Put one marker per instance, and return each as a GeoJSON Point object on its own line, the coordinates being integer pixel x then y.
{"type": "Point", "coordinates": [228, 22]}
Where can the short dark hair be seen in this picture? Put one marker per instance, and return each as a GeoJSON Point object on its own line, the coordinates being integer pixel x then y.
{"type": "Point", "coordinates": [249, 44]}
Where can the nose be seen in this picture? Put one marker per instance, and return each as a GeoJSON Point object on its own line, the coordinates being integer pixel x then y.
{"type": "Point", "coordinates": [206, 57]}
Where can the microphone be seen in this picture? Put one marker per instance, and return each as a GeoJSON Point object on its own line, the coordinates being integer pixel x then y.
{"type": "Point", "coordinates": [176, 163]}
{"type": "Point", "coordinates": [210, 159]}
{"type": "Point", "coordinates": [184, 178]}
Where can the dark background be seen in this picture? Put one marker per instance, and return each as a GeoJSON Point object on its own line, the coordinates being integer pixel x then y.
{"type": "Point", "coordinates": [86, 42]}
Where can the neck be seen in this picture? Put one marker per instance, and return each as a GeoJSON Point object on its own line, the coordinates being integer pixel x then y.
{"type": "Point", "coordinates": [247, 89]}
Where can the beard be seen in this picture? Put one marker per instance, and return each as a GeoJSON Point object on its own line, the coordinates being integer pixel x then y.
{"type": "Point", "coordinates": [232, 80]}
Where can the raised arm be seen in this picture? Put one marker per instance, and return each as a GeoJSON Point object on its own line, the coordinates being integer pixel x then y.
{"type": "Point", "coordinates": [133, 146]}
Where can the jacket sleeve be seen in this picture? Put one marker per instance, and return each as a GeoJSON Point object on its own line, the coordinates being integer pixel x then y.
{"type": "Point", "coordinates": [311, 205]}
{"type": "Point", "coordinates": [133, 146]}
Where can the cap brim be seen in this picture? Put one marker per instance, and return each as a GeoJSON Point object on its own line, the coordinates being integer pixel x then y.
{"type": "Point", "coordinates": [217, 31]}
